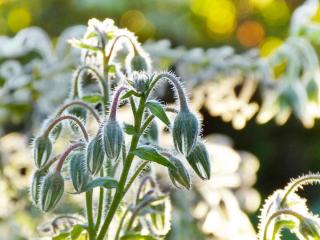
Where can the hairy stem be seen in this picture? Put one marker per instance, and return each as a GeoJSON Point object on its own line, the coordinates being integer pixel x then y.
{"type": "Point", "coordinates": [123, 178]}
{"type": "Point", "coordinates": [66, 154]}
{"type": "Point", "coordinates": [134, 176]}
{"type": "Point", "coordinates": [66, 117]}
{"type": "Point", "coordinates": [115, 103]}
{"type": "Point", "coordinates": [91, 228]}
{"type": "Point", "coordinates": [81, 103]}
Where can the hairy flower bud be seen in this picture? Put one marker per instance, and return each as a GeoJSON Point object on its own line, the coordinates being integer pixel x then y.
{"type": "Point", "coordinates": [185, 132]}
{"type": "Point", "coordinates": [80, 113]}
{"type": "Point", "coordinates": [94, 156]}
{"type": "Point", "coordinates": [112, 137]}
{"type": "Point", "coordinates": [152, 133]}
{"type": "Point", "coordinates": [199, 160]}
{"type": "Point", "coordinates": [179, 175]}
{"type": "Point", "coordinates": [309, 228]}
{"type": "Point", "coordinates": [42, 149]}
{"type": "Point", "coordinates": [78, 172]}
{"type": "Point", "coordinates": [140, 81]}
{"type": "Point", "coordinates": [52, 189]}
{"type": "Point", "coordinates": [139, 63]}
{"type": "Point", "coordinates": [35, 189]}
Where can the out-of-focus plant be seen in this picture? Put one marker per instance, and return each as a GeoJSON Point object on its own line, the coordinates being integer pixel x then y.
{"type": "Point", "coordinates": [110, 157]}
{"type": "Point", "coordinates": [31, 65]}
{"type": "Point", "coordinates": [285, 209]}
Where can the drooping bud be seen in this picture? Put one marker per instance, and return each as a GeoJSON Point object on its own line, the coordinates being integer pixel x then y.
{"type": "Point", "coordinates": [42, 149]}
{"type": "Point", "coordinates": [112, 137]}
{"type": "Point", "coordinates": [152, 133]}
{"type": "Point", "coordinates": [52, 189]}
{"type": "Point", "coordinates": [179, 175]}
{"type": "Point", "coordinates": [80, 113]}
{"type": "Point", "coordinates": [35, 188]}
{"type": "Point", "coordinates": [94, 155]}
{"type": "Point", "coordinates": [78, 172]}
{"type": "Point", "coordinates": [309, 228]}
{"type": "Point", "coordinates": [140, 63]}
{"type": "Point", "coordinates": [185, 132]}
{"type": "Point", "coordinates": [199, 160]}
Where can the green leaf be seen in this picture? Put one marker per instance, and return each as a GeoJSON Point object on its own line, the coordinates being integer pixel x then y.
{"type": "Point", "coordinates": [62, 236]}
{"type": "Point", "coordinates": [76, 231]}
{"type": "Point", "coordinates": [106, 182]}
{"type": "Point", "coordinates": [94, 98]}
{"type": "Point", "coordinates": [129, 129]}
{"type": "Point", "coordinates": [129, 94]}
{"type": "Point", "coordinates": [151, 154]}
{"type": "Point", "coordinates": [132, 236]}
{"type": "Point", "coordinates": [80, 44]}
{"type": "Point", "coordinates": [156, 109]}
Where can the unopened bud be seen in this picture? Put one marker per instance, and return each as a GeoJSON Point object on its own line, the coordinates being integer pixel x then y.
{"type": "Point", "coordinates": [42, 149]}
{"type": "Point", "coordinates": [185, 132]}
{"type": "Point", "coordinates": [52, 189]}
{"type": "Point", "coordinates": [179, 175]}
{"type": "Point", "coordinates": [199, 160]}
{"type": "Point", "coordinates": [152, 133]}
{"type": "Point", "coordinates": [35, 189]}
{"type": "Point", "coordinates": [112, 137]}
{"type": "Point", "coordinates": [94, 155]}
{"type": "Point", "coordinates": [77, 170]}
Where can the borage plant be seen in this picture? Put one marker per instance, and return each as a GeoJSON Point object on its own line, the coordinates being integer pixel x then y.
{"type": "Point", "coordinates": [119, 155]}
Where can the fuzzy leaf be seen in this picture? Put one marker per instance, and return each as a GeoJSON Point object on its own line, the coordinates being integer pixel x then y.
{"type": "Point", "coordinates": [106, 182]}
{"type": "Point", "coordinates": [151, 154]}
{"type": "Point", "coordinates": [61, 236]}
{"type": "Point", "coordinates": [156, 109]}
{"type": "Point", "coordinates": [129, 94]}
{"type": "Point", "coordinates": [129, 129]}
{"type": "Point", "coordinates": [76, 231]}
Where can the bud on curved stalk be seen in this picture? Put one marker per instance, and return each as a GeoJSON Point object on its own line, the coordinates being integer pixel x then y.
{"type": "Point", "coordinates": [185, 132]}
{"type": "Point", "coordinates": [52, 189]}
{"type": "Point", "coordinates": [186, 127]}
{"type": "Point", "coordinates": [42, 148]}
{"type": "Point", "coordinates": [112, 134]}
{"type": "Point", "coordinates": [78, 173]}
{"type": "Point", "coordinates": [179, 175]}
{"type": "Point", "coordinates": [309, 228]}
{"type": "Point", "coordinates": [139, 62]}
{"type": "Point", "coordinates": [35, 189]}
{"type": "Point", "coordinates": [199, 160]}
{"type": "Point", "coordinates": [94, 155]}
{"type": "Point", "coordinates": [152, 132]}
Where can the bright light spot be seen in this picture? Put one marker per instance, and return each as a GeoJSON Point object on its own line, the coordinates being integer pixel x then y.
{"type": "Point", "coordinates": [222, 17]}
{"type": "Point", "coordinates": [19, 18]}
{"type": "Point", "coordinates": [250, 34]}
{"type": "Point", "coordinates": [269, 45]}
{"type": "Point", "coordinates": [260, 3]}
{"type": "Point", "coordinates": [219, 14]}
{"type": "Point", "coordinates": [276, 13]}
{"type": "Point", "coordinates": [136, 22]}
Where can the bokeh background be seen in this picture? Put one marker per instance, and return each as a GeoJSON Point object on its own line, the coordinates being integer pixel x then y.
{"type": "Point", "coordinates": [284, 151]}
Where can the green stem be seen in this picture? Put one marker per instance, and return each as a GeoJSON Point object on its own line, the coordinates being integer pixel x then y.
{"type": "Point", "coordinates": [91, 228]}
{"type": "Point", "coordinates": [121, 224]}
{"type": "Point", "coordinates": [123, 178]}
{"type": "Point", "coordinates": [134, 176]}
{"type": "Point", "coordinates": [100, 205]}
{"type": "Point", "coordinates": [277, 214]}
{"type": "Point", "coordinates": [81, 103]}
{"type": "Point", "coordinates": [66, 117]}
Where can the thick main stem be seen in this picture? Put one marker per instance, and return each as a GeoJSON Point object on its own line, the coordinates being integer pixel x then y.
{"type": "Point", "coordinates": [127, 164]}
{"type": "Point", "coordinates": [91, 228]}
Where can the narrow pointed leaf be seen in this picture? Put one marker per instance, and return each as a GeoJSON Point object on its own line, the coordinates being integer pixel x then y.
{"type": "Point", "coordinates": [106, 182]}
{"type": "Point", "coordinates": [157, 109]}
{"type": "Point", "coordinates": [151, 154]}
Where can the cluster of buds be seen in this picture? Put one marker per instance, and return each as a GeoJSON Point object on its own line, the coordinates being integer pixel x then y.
{"type": "Point", "coordinates": [286, 209]}
{"type": "Point", "coordinates": [93, 161]}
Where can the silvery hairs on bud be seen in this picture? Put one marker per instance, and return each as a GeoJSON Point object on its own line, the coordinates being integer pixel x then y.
{"type": "Point", "coordinates": [52, 189]}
